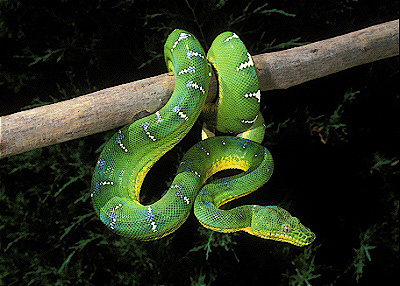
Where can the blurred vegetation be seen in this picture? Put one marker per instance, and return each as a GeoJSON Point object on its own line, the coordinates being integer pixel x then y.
{"type": "Point", "coordinates": [334, 141]}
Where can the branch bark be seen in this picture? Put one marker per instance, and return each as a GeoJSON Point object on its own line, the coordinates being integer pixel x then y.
{"type": "Point", "coordinates": [115, 106]}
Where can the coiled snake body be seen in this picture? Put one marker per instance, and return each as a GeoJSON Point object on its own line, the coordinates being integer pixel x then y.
{"type": "Point", "coordinates": [132, 151]}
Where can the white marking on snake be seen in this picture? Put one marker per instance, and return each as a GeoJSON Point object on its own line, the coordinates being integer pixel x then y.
{"type": "Point", "coordinates": [106, 183]}
{"type": "Point", "coordinates": [178, 111]}
{"type": "Point", "coordinates": [193, 171]}
{"type": "Point", "coordinates": [250, 121]}
{"type": "Point", "coordinates": [247, 64]}
{"type": "Point", "coordinates": [181, 37]}
{"type": "Point", "coordinates": [204, 149]}
{"type": "Point", "coordinates": [191, 54]}
{"type": "Point", "coordinates": [150, 217]}
{"type": "Point", "coordinates": [113, 216]}
{"type": "Point", "coordinates": [145, 127]}
{"type": "Point", "coordinates": [98, 185]}
{"type": "Point", "coordinates": [179, 194]}
{"type": "Point", "coordinates": [256, 94]}
{"type": "Point", "coordinates": [186, 199]}
{"type": "Point", "coordinates": [159, 118]}
{"type": "Point", "coordinates": [196, 173]}
{"type": "Point", "coordinates": [153, 226]}
{"type": "Point", "coordinates": [188, 70]}
{"type": "Point", "coordinates": [118, 140]}
{"type": "Point", "coordinates": [231, 37]}
{"type": "Point", "coordinates": [195, 86]}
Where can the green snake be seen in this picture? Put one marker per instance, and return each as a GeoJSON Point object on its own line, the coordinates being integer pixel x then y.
{"type": "Point", "coordinates": [132, 151]}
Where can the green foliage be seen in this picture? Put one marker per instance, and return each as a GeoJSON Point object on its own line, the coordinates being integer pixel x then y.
{"type": "Point", "coordinates": [201, 279]}
{"type": "Point", "coordinates": [206, 13]}
{"type": "Point", "coordinates": [362, 255]}
{"type": "Point", "coordinates": [215, 240]}
{"type": "Point", "coordinates": [48, 56]}
{"type": "Point", "coordinates": [382, 164]}
{"type": "Point", "coordinates": [333, 127]}
{"type": "Point", "coordinates": [250, 12]}
{"type": "Point", "coordinates": [305, 268]}
{"type": "Point", "coordinates": [31, 202]}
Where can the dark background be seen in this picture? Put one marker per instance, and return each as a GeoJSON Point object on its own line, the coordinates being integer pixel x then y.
{"type": "Point", "coordinates": [341, 180]}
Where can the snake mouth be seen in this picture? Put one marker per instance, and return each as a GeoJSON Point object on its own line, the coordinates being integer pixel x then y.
{"type": "Point", "coordinates": [304, 240]}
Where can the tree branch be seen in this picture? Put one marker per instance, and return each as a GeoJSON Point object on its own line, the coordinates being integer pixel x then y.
{"type": "Point", "coordinates": [115, 106]}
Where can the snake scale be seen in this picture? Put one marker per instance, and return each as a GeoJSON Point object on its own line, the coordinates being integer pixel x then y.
{"type": "Point", "coordinates": [132, 151]}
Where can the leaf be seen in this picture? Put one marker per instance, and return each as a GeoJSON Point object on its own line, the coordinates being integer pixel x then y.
{"type": "Point", "coordinates": [79, 219]}
{"type": "Point", "coordinates": [72, 180]}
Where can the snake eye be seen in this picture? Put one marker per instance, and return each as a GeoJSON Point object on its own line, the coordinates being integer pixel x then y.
{"type": "Point", "coordinates": [286, 229]}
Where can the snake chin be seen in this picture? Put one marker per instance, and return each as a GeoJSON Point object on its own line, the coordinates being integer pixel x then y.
{"type": "Point", "coordinates": [275, 223]}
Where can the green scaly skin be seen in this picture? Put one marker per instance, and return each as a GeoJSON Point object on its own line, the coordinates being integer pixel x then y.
{"type": "Point", "coordinates": [131, 152]}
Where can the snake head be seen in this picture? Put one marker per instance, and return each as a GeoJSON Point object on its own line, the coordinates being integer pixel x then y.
{"type": "Point", "coordinates": [272, 222]}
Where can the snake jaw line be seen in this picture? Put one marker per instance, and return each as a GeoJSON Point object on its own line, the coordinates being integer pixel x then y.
{"type": "Point", "coordinates": [281, 237]}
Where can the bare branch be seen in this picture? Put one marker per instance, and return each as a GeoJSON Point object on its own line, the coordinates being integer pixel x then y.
{"type": "Point", "coordinates": [115, 106]}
